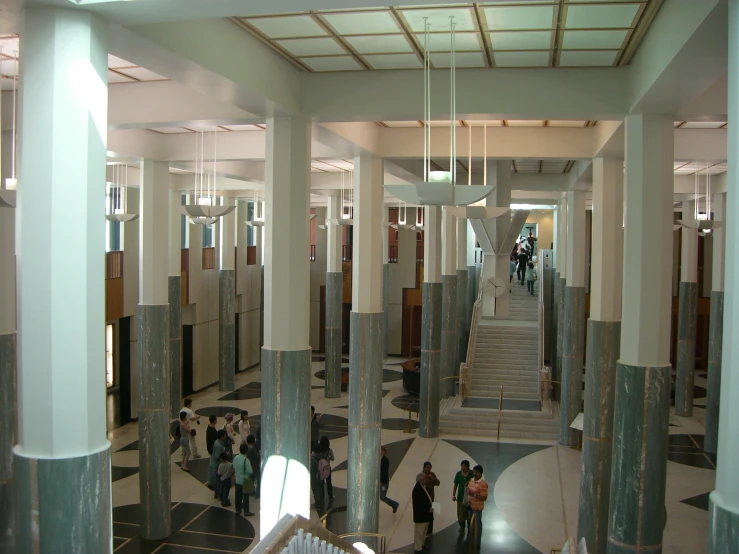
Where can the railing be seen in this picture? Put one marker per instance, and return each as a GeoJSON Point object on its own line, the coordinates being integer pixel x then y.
{"type": "Point", "coordinates": [500, 408]}
{"type": "Point", "coordinates": [297, 534]}
{"type": "Point", "coordinates": [542, 371]}
{"type": "Point", "coordinates": [392, 253]}
{"type": "Point", "coordinates": [114, 264]}
{"type": "Point", "coordinates": [465, 369]}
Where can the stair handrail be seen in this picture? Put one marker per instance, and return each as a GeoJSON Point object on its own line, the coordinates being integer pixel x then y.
{"type": "Point", "coordinates": [465, 369]}
{"type": "Point", "coordinates": [298, 529]}
{"type": "Point", "coordinates": [540, 271]}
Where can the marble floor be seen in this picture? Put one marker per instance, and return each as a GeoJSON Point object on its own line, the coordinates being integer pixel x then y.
{"type": "Point", "coordinates": [533, 486]}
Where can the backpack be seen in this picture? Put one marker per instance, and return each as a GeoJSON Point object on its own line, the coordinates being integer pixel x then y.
{"type": "Point", "coordinates": [177, 432]}
{"type": "Point", "coordinates": [324, 469]}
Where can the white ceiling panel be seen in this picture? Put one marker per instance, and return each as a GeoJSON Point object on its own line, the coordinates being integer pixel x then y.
{"type": "Point", "coordinates": [142, 74]}
{"type": "Point", "coordinates": [601, 17]}
{"type": "Point", "coordinates": [555, 123]}
{"type": "Point", "coordinates": [521, 59]}
{"type": "Point", "coordinates": [208, 128]}
{"type": "Point", "coordinates": [394, 61]}
{"type": "Point", "coordinates": [593, 40]}
{"type": "Point", "coordinates": [367, 23]}
{"type": "Point", "coordinates": [703, 124]}
{"type": "Point", "coordinates": [312, 47]}
{"type": "Point", "coordinates": [288, 26]}
{"type": "Point", "coordinates": [442, 42]}
{"type": "Point", "coordinates": [525, 123]}
{"type": "Point", "coordinates": [488, 123]}
{"type": "Point", "coordinates": [520, 17]}
{"type": "Point", "coordinates": [114, 78]}
{"type": "Point", "coordinates": [402, 124]}
{"type": "Point", "coordinates": [171, 130]}
{"type": "Point", "coordinates": [8, 67]}
{"type": "Point", "coordinates": [440, 123]}
{"type": "Point", "coordinates": [380, 44]}
{"type": "Point", "coordinates": [462, 59]}
{"type": "Point", "coordinates": [332, 63]}
{"type": "Point", "coordinates": [522, 40]}
{"type": "Point", "coordinates": [10, 45]}
{"type": "Point", "coordinates": [115, 62]}
{"type": "Point", "coordinates": [242, 127]}
{"type": "Point", "coordinates": [439, 19]}
{"type": "Point", "coordinates": [582, 58]}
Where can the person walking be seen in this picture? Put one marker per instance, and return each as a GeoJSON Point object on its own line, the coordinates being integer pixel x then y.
{"type": "Point", "coordinates": [477, 491]}
{"type": "Point", "coordinates": [320, 470]}
{"type": "Point", "coordinates": [219, 447]}
{"type": "Point", "coordinates": [185, 439]}
{"type": "Point", "coordinates": [431, 482]}
{"type": "Point", "coordinates": [531, 276]}
{"type": "Point", "coordinates": [255, 459]}
{"type": "Point", "coordinates": [329, 485]}
{"type": "Point", "coordinates": [244, 426]}
{"type": "Point", "coordinates": [423, 512]}
{"type": "Point", "coordinates": [523, 259]}
{"type": "Point", "coordinates": [211, 434]}
{"type": "Point", "coordinates": [463, 476]}
{"type": "Point", "coordinates": [315, 427]}
{"type": "Point", "coordinates": [192, 417]}
{"type": "Point", "coordinates": [531, 240]}
{"type": "Point", "coordinates": [385, 480]}
{"type": "Point", "coordinates": [232, 435]}
{"type": "Point", "coordinates": [225, 475]}
{"type": "Point", "coordinates": [244, 481]}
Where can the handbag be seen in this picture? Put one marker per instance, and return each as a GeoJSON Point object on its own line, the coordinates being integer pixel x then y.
{"type": "Point", "coordinates": [192, 432]}
{"type": "Point", "coordinates": [248, 486]}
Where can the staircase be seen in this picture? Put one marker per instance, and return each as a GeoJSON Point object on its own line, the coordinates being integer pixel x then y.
{"type": "Point", "coordinates": [524, 307]}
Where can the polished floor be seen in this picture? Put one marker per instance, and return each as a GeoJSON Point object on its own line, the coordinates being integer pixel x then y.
{"type": "Point", "coordinates": [533, 486]}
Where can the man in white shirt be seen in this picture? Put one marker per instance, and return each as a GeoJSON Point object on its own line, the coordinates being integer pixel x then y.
{"type": "Point", "coordinates": [191, 417]}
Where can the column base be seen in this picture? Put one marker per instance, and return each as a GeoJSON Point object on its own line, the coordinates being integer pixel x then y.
{"type": "Point", "coordinates": [428, 425]}
{"type": "Point", "coordinates": [572, 363]}
{"type": "Point", "coordinates": [724, 534]}
{"type": "Point", "coordinates": [63, 504]}
{"type": "Point", "coordinates": [365, 422]}
{"type": "Point", "coordinates": [332, 366]}
{"type": "Point", "coordinates": [715, 347]}
{"type": "Point", "coordinates": [175, 346]}
{"type": "Point", "coordinates": [8, 361]}
{"type": "Point", "coordinates": [604, 344]}
{"type": "Point", "coordinates": [227, 330]}
{"type": "Point", "coordinates": [449, 340]}
{"type": "Point", "coordinates": [686, 324]}
{"type": "Point", "coordinates": [639, 474]}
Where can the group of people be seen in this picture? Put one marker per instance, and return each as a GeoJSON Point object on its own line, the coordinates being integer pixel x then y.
{"type": "Point", "coordinates": [522, 263]}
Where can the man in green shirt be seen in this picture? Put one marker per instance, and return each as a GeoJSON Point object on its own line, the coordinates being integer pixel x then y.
{"type": "Point", "coordinates": [458, 494]}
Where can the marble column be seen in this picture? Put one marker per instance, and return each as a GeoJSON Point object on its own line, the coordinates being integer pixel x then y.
{"type": "Point", "coordinates": [227, 301]}
{"type": "Point", "coordinates": [175, 303]}
{"type": "Point", "coordinates": [573, 335]}
{"type": "Point", "coordinates": [724, 528]}
{"type": "Point", "coordinates": [153, 355]}
{"type": "Point", "coordinates": [642, 398]}
{"type": "Point", "coordinates": [603, 346]}
{"type": "Point", "coordinates": [8, 357]}
{"type": "Point", "coordinates": [472, 283]}
{"type": "Point", "coordinates": [365, 350]}
{"type": "Point", "coordinates": [463, 313]}
{"type": "Point", "coordinates": [61, 464]}
{"type": "Point", "coordinates": [385, 279]}
{"type": "Point", "coordinates": [286, 355]}
{"type": "Point", "coordinates": [687, 316]}
{"type": "Point", "coordinates": [561, 283]}
{"type": "Point", "coordinates": [449, 340]}
{"type": "Point", "coordinates": [334, 301]}
{"type": "Point", "coordinates": [716, 327]}
{"type": "Point", "coordinates": [428, 425]}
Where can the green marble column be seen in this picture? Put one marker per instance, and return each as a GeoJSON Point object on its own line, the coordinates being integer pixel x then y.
{"type": "Point", "coordinates": [449, 340]}
{"type": "Point", "coordinates": [723, 536]}
{"type": "Point", "coordinates": [557, 374]}
{"type": "Point", "coordinates": [573, 338]}
{"type": "Point", "coordinates": [65, 504]}
{"type": "Point", "coordinates": [556, 329]}
{"type": "Point", "coordinates": [365, 422]}
{"type": "Point", "coordinates": [261, 316]}
{"type": "Point", "coordinates": [471, 291]}
{"type": "Point", "coordinates": [687, 319]}
{"type": "Point", "coordinates": [463, 315]}
{"type": "Point", "coordinates": [385, 306]}
{"type": "Point", "coordinates": [332, 384]}
{"type": "Point", "coordinates": [715, 343]}
{"type": "Point", "coordinates": [154, 406]}
{"type": "Point", "coordinates": [226, 330]}
{"type": "Point", "coordinates": [604, 343]}
{"type": "Point", "coordinates": [639, 474]}
{"type": "Point", "coordinates": [8, 360]}
{"type": "Point", "coordinates": [175, 346]}
{"type": "Point", "coordinates": [428, 425]}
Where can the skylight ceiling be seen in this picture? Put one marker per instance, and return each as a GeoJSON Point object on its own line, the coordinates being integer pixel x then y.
{"type": "Point", "coordinates": [492, 123]}
{"type": "Point", "coordinates": [527, 33]}
{"type": "Point", "coordinates": [119, 71]}
{"type": "Point", "coordinates": [699, 168]}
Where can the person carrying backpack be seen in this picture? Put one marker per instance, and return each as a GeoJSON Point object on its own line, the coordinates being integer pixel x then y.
{"type": "Point", "coordinates": [320, 469]}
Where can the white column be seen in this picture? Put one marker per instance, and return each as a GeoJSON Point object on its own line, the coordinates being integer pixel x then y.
{"type": "Point", "coordinates": [448, 244]}
{"type": "Point", "coordinates": [562, 238]}
{"type": "Point", "coordinates": [153, 229]}
{"type": "Point", "coordinates": [471, 243]}
{"type": "Point", "coordinates": [432, 245]}
{"type": "Point", "coordinates": [367, 264]}
{"type": "Point", "coordinates": [719, 243]}
{"type": "Point", "coordinates": [607, 245]}
{"type": "Point", "coordinates": [385, 231]}
{"type": "Point", "coordinates": [7, 271]}
{"type": "Point", "coordinates": [575, 238]}
{"type": "Point", "coordinates": [689, 246]}
{"type": "Point", "coordinates": [175, 233]}
{"type": "Point", "coordinates": [555, 238]}
{"type": "Point", "coordinates": [333, 236]}
{"type": "Point", "coordinates": [227, 230]}
{"type": "Point", "coordinates": [462, 242]}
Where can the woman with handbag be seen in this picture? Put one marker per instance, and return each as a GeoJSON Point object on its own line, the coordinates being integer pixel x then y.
{"type": "Point", "coordinates": [185, 431]}
{"type": "Point", "coordinates": [244, 481]}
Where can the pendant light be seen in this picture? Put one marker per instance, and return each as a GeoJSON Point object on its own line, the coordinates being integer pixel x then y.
{"type": "Point", "coordinates": [704, 224]}
{"type": "Point", "coordinates": [402, 223]}
{"type": "Point", "coordinates": [205, 210]}
{"type": "Point", "coordinates": [118, 209]}
{"type": "Point", "coordinates": [257, 219]}
{"type": "Point", "coordinates": [439, 187]}
{"type": "Point", "coordinates": [346, 217]}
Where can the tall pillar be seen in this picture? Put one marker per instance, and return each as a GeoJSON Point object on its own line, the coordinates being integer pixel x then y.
{"type": "Point", "coordinates": [365, 350]}
{"type": "Point", "coordinates": [497, 264]}
{"type": "Point", "coordinates": [227, 300]}
{"type": "Point", "coordinates": [724, 533]}
{"type": "Point", "coordinates": [428, 425]}
{"type": "Point", "coordinates": [463, 314]}
{"type": "Point", "coordinates": [573, 334]}
{"type": "Point", "coordinates": [385, 279]}
{"type": "Point", "coordinates": [334, 300]}
{"type": "Point", "coordinates": [556, 293]}
{"type": "Point", "coordinates": [716, 327]}
{"type": "Point", "coordinates": [62, 474]}
{"type": "Point", "coordinates": [604, 342]}
{"type": "Point", "coordinates": [642, 398]}
{"type": "Point", "coordinates": [286, 355]}
{"type": "Point", "coordinates": [559, 291]}
{"type": "Point", "coordinates": [153, 356]}
{"type": "Point", "coordinates": [687, 315]}
{"type": "Point", "coordinates": [472, 284]}
{"type": "Point", "coordinates": [175, 303]}
{"type": "Point", "coordinates": [449, 340]}
{"type": "Point", "coordinates": [8, 405]}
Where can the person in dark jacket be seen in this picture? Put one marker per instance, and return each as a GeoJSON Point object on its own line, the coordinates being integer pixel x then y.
{"type": "Point", "coordinates": [211, 433]}
{"type": "Point", "coordinates": [523, 259]}
{"type": "Point", "coordinates": [255, 460]}
{"type": "Point", "coordinates": [422, 512]}
{"type": "Point", "coordinates": [385, 480]}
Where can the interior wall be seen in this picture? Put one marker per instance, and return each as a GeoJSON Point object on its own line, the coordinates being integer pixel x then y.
{"type": "Point", "coordinates": [545, 220]}
{"type": "Point", "coordinates": [248, 292]}
{"type": "Point", "coordinates": [402, 275]}
{"type": "Point", "coordinates": [317, 279]}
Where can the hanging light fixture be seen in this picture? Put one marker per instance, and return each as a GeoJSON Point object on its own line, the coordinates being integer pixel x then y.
{"type": "Point", "coordinates": [7, 194]}
{"type": "Point", "coordinates": [439, 187]}
{"type": "Point", "coordinates": [420, 216]}
{"type": "Point", "coordinates": [700, 221]}
{"type": "Point", "coordinates": [204, 210]}
{"type": "Point", "coordinates": [258, 217]}
{"type": "Point", "coordinates": [347, 196]}
{"type": "Point", "coordinates": [118, 207]}
{"type": "Point", "coordinates": [402, 223]}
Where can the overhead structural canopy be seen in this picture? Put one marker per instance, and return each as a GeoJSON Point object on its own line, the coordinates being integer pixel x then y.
{"type": "Point", "coordinates": [486, 232]}
{"type": "Point", "coordinates": [121, 217]}
{"type": "Point", "coordinates": [7, 198]}
{"type": "Point", "coordinates": [434, 193]}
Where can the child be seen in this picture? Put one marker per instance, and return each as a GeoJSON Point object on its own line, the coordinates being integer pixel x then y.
{"type": "Point", "coordinates": [531, 276]}
{"type": "Point", "coordinates": [225, 473]}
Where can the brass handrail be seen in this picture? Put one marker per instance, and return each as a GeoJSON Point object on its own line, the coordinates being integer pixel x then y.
{"type": "Point", "coordinates": [465, 370]}
{"type": "Point", "coordinates": [335, 510]}
{"type": "Point", "coordinates": [500, 408]}
{"type": "Point", "coordinates": [379, 536]}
